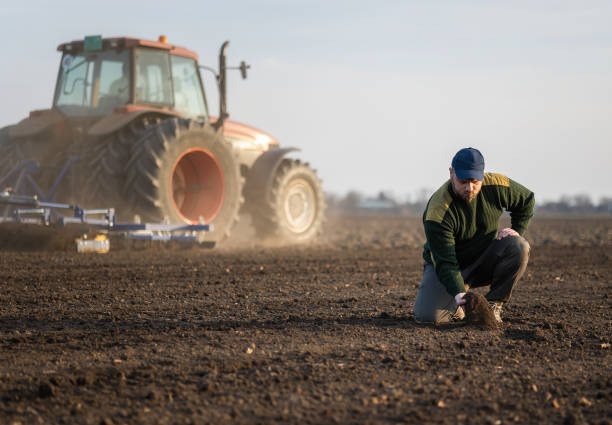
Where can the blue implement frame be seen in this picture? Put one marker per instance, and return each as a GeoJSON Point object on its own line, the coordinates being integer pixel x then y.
{"type": "Point", "coordinates": [40, 208]}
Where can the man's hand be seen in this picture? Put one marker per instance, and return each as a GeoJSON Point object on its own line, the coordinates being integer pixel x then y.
{"type": "Point", "coordinates": [459, 298]}
{"type": "Point", "coordinates": [506, 232]}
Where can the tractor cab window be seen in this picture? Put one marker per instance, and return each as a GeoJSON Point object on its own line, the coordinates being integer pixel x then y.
{"type": "Point", "coordinates": [93, 84]}
{"type": "Point", "coordinates": [115, 82]}
{"type": "Point", "coordinates": [188, 93]}
{"type": "Point", "coordinates": [153, 82]}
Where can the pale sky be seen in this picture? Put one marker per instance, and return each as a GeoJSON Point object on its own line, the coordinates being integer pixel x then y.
{"type": "Point", "coordinates": [377, 95]}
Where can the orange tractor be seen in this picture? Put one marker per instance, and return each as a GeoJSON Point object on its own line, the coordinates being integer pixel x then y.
{"type": "Point", "coordinates": [130, 126]}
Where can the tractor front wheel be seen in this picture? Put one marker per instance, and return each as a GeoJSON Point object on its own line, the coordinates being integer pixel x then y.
{"type": "Point", "coordinates": [294, 209]}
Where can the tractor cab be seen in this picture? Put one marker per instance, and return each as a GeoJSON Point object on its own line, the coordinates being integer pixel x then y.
{"type": "Point", "coordinates": [97, 75]}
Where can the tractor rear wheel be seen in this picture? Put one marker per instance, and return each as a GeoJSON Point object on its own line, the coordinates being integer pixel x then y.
{"type": "Point", "coordinates": [185, 172]}
{"type": "Point", "coordinates": [15, 150]}
{"type": "Point", "coordinates": [7, 148]}
{"type": "Point", "coordinates": [294, 209]}
{"type": "Point", "coordinates": [102, 166]}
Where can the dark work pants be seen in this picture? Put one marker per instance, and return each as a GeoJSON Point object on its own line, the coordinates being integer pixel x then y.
{"type": "Point", "coordinates": [500, 266]}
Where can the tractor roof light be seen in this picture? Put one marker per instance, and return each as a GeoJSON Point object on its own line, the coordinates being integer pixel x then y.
{"type": "Point", "coordinates": [163, 39]}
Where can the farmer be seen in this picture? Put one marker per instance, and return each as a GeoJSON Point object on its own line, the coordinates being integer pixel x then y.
{"type": "Point", "coordinates": [464, 248]}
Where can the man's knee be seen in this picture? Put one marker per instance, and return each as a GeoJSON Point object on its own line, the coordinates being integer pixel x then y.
{"type": "Point", "coordinates": [523, 248]}
{"type": "Point", "coordinates": [430, 313]}
{"type": "Point", "coordinates": [424, 312]}
{"type": "Point", "coordinates": [433, 303]}
{"type": "Point", "coordinates": [519, 248]}
{"type": "Point", "coordinates": [436, 317]}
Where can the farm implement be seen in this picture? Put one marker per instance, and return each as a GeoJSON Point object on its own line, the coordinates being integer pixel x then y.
{"type": "Point", "coordinates": [25, 203]}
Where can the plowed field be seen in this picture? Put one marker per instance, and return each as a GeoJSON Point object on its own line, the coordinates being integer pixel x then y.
{"type": "Point", "coordinates": [252, 334]}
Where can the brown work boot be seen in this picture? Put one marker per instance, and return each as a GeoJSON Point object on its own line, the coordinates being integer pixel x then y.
{"type": "Point", "coordinates": [496, 308]}
{"type": "Point", "coordinates": [459, 314]}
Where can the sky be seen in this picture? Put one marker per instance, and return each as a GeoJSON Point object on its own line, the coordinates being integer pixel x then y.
{"type": "Point", "coordinates": [377, 95]}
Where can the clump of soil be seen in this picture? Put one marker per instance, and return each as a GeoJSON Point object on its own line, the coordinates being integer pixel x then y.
{"type": "Point", "coordinates": [478, 312]}
{"type": "Point", "coordinates": [33, 237]}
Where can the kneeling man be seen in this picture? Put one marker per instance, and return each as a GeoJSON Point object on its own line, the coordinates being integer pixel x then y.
{"type": "Point", "coordinates": [464, 248]}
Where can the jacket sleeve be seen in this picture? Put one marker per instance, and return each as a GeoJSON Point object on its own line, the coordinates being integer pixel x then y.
{"type": "Point", "coordinates": [441, 241]}
{"type": "Point", "coordinates": [521, 202]}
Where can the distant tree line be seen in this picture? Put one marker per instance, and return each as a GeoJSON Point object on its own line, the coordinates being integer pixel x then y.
{"type": "Point", "coordinates": [355, 202]}
{"type": "Point", "coordinates": [576, 205]}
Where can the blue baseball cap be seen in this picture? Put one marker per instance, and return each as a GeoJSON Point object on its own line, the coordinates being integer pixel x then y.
{"type": "Point", "coordinates": [468, 163]}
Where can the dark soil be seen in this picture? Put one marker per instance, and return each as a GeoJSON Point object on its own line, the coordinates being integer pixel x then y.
{"type": "Point", "coordinates": [319, 334]}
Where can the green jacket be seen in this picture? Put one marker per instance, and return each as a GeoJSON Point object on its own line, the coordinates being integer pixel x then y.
{"type": "Point", "coordinates": [459, 232]}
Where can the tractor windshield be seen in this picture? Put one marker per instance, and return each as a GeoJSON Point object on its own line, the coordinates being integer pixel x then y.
{"type": "Point", "coordinates": [188, 94]}
{"type": "Point", "coordinates": [153, 82]}
{"type": "Point", "coordinates": [93, 84]}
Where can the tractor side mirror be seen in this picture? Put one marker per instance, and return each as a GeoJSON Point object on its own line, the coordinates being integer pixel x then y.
{"type": "Point", "coordinates": [243, 69]}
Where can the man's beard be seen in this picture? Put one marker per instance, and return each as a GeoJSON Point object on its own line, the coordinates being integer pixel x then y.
{"type": "Point", "coordinates": [469, 197]}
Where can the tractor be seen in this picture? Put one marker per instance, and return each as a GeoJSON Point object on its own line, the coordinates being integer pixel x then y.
{"type": "Point", "coordinates": [130, 126]}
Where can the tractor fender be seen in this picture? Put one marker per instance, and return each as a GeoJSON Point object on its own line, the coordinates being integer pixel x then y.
{"type": "Point", "coordinates": [37, 122]}
{"type": "Point", "coordinates": [123, 115]}
{"type": "Point", "coordinates": [261, 175]}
